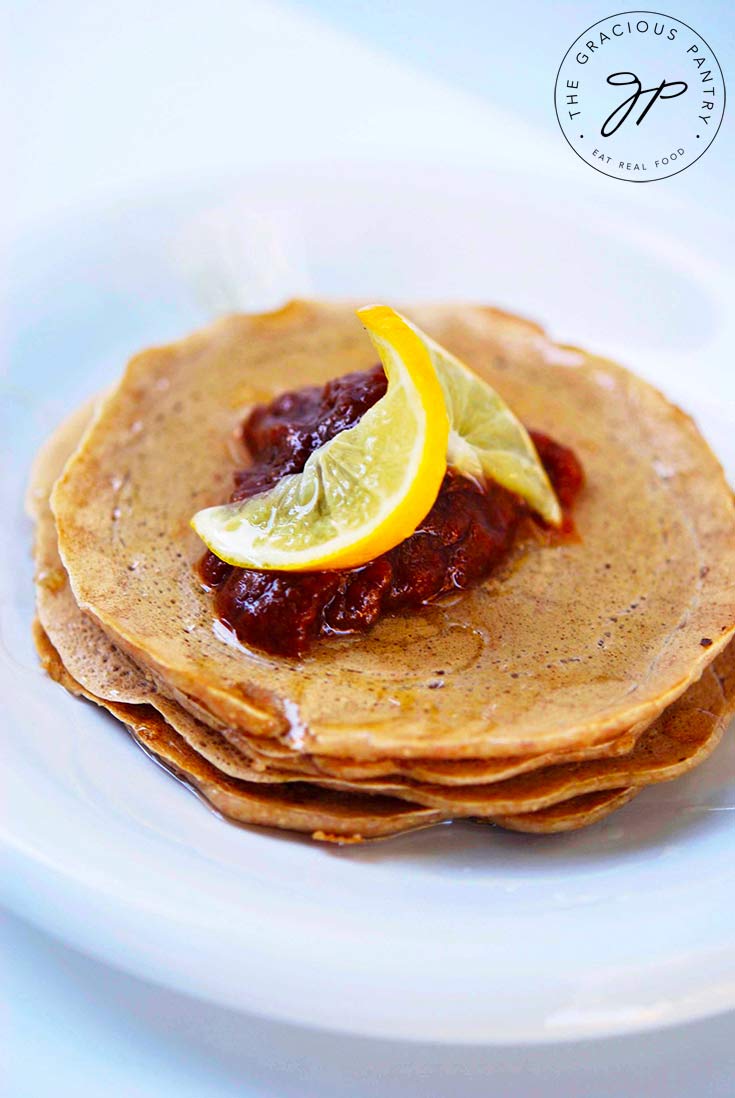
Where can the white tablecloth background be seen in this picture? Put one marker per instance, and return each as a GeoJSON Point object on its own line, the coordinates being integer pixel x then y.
{"type": "Point", "coordinates": [105, 100]}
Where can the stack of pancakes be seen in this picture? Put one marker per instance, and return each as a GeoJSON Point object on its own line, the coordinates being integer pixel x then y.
{"type": "Point", "coordinates": [581, 672]}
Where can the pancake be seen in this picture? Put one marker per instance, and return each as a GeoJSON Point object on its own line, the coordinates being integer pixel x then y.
{"type": "Point", "coordinates": [107, 674]}
{"type": "Point", "coordinates": [569, 815]}
{"type": "Point", "coordinates": [682, 737]}
{"type": "Point", "coordinates": [438, 772]}
{"type": "Point", "coordinates": [564, 647]}
{"type": "Point", "coordinates": [327, 815]}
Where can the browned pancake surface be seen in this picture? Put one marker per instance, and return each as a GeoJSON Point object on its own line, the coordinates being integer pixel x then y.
{"type": "Point", "coordinates": [562, 648]}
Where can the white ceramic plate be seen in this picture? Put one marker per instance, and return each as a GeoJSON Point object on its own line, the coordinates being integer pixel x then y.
{"type": "Point", "coordinates": [460, 933]}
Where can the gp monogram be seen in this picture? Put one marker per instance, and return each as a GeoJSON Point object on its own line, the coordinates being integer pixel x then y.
{"type": "Point", "coordinates": [639, 96]}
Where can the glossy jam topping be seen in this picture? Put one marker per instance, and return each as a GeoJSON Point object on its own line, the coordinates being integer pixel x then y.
{"type": "Point", "coordinates": [466, 534]}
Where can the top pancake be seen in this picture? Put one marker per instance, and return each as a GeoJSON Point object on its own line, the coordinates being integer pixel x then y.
{"type": "Point", "coordinates": [562, 647]}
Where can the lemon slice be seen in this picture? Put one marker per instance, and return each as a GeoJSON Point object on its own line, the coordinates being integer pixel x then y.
{"type": "Point", "coordinates": [365, 490]}
{"type": "Point", "coordinates": [485, 438]}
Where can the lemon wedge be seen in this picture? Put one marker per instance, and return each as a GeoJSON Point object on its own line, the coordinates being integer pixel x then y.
{"type": "Point", "coordinates": [359, 494]}
{"type": "Point", "coordinates": [486, 441]}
